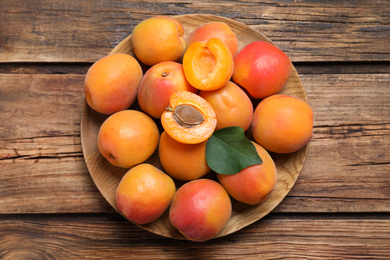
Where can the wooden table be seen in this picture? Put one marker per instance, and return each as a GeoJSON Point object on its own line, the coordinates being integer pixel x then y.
{"type": "Point", "coordinates": [51, 209]}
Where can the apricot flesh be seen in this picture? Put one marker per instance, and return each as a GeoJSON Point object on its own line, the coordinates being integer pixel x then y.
{"type": "Point", "coordinates": [200, 209]}
{"type": "Point", "coordinates": [231, 104]}
{"type": "Point", "coordinates": [208, 65]}
{"type": "Point", "coordinates": [144, 193]}
{"type": "Point", "coordinates": [282, 123]}
{"type": "Point", "coordinates": [182, 161]}
{"type": "Point", "coordinates": [158, 84]}
{"type": "Point", "coordinates": [127, 138]}
{"type": "Point", "coordinates": [253, 184]}
{"type": "Point", "coordinates": [158, 39]}
{"type": "Point", "coordinates": [111, 83]}
{"type": "Point", "coordinates": [193, 122]}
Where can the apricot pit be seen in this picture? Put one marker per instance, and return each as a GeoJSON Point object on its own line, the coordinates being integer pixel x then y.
{"type": "Point", "coordinates": [187, 116]}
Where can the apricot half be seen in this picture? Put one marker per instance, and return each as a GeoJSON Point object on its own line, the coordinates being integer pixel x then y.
{"type": "Point", "coordinates": [208, 65]}
{"type": "Point", "coordinates": [189, 118]}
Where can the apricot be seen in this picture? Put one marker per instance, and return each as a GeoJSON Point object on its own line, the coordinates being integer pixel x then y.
{"type": "Point", "coordinates": [111, 83]}
{"type": "Point", "coordinates": [183, 161]}
{"type": "Point", "coordinates": [253, 184]}
{"type": "Point", "coordinates": [127, 138]}
{"type": "Point", "coordinates": [189, 118]}
{"type": "Point", "coordinates": [262, 69]}
{"type": "Point", "coordinates": [282, 123]}
{"type": "Point", "coordinates": [144, 193]}
{"type": "Point", "coordinates": [158, 84]}
{"type": "Point", "coordinates": [157, 39]}
{"type": "Point", "coordinates": [218, 30]}
{"type": "Point", "coordinates": [208, 65]}
{"type": "Point", "coordinates": [200, 209]}
{"type": "Point", "coordinates": [231, 104]}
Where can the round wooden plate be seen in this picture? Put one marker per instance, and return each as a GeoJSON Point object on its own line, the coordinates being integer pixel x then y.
{"type": "Point", "coordinates": [107, 177]}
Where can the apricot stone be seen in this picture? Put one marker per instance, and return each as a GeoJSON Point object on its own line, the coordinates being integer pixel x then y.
{"type": "Point", "coordinates": [253, 184]}
{"type": "Point", "coordinates": [231, 104]}
{"type": "Point", "coordinates": [127, 138]}
{"type": "Point", "coordinates": [158, 39]}
{"type": "Point", "coordinates": [111, 83]}
{"type": "Point", "coordinates": [282, 123]}
{"type": "Point", "coordinates": [144, 193]}
{"type": "Point", "coordinates": [200, 209]}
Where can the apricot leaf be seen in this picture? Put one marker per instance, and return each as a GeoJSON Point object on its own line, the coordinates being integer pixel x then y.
{"type": "Point", "coordinates": [228, 151]}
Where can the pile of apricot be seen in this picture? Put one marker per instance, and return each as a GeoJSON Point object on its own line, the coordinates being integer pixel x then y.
{"type": "Point", "coordinates": [190, 89]}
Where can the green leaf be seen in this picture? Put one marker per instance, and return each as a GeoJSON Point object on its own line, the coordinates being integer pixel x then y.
{"type": "Point", "coordinates": [228, 151]}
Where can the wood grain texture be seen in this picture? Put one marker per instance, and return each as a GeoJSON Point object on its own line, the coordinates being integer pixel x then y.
{"type": "Point", "coordinates": [331, 30]}
{"type": "Point", "coordinates": [346, 169]}
{"type": "Point", "coordinates": [274, 237]}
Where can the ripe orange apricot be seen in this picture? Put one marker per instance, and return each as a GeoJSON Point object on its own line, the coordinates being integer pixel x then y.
{"type": "Point", "coordinates": [231, 104]}
{"type": "Point", "coordinates": [144, 193]}
{"type": "Point", "coordinates": [158, 39]}
{"type": "Point", "coordinates": [127, 138]}
{"type": "Point", "coordinates": [111, 83]}
{"type": "Point", "coordinates": [158, 84]}
{"type": "Point", "coordinates": [189, 118]}
{"type": "Point", "coordinates": [282, 123]}
{"type": "Point", "coordinates": [208, 65]}
{"type": "Point", "coordinates": [218, 30]}
{"type": "Point", "coordinates": [253, 184]}
{"type": "Point", "coordinates": [182, 161]}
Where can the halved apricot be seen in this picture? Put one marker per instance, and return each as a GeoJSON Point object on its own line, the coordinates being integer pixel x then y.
{"type": "Point", "coordinates": [189, 118]}
{"type": "Point", "coordinates": [208, 65]}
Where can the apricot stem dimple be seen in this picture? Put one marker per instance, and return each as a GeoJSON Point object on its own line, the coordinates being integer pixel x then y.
{"type": "Point", "coordinates": [187, 116]}
{"type": "Point", "coordinates": [164, 74]}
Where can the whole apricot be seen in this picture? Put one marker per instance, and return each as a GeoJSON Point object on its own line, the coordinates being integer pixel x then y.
{"type": "Point", "coordinates": [189, 118]}
{"type": "Point", "coordinates": [200, 209]}
{"type": "Point", "coordinates": [262, 69]}
{"type": "Point", "coordinates": [253, 184]}
{"type": "Point", "coordinates": [127, 138]}
{"type": "Point", "coordinates": [158, 84]}
{"type": "Point", "coordinates": [282, 123]}
{"type": "Point", "coordinates": [218, 30]}
{"type": "Point", "coordinates": [157, 39]}
{"type": "Point", "coordinates": [208, 65]}
{"type": "Point", "coordinates": [231, 104]}
{"type": "Point", "coordinates": [144, 193]}
{"type": "Point", "coordinates": [182, 161]}
{"type": "Point", "coordinates": [111, 83]}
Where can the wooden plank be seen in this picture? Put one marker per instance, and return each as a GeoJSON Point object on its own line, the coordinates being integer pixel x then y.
{"type": "Point", "coordinates": [275, 237]}
{"type": "Point", "coordinates": [82, 31]}
{"type": "Point", "coordinates": [42, 168]}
